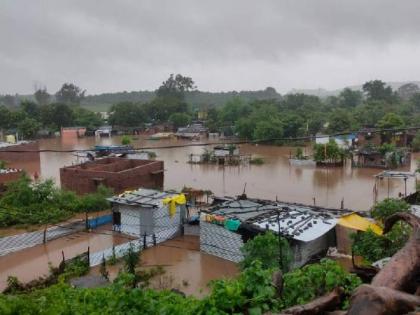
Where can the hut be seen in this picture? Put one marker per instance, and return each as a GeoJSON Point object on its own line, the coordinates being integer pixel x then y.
{"type": "Point", "coordinates": [154, 215]}
{"type": "Point", "coordinates": [227, 225]}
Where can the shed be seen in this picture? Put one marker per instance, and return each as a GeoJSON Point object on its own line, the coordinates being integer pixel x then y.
{"type": "Point", "coordinates": [146, 213]}
{"type": "Point", "coordinates": [309, 229]}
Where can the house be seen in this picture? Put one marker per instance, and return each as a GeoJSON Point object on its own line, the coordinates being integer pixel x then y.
{"type": "Point", "coordinates": [368, 136]}
{"type": "Point", "coordinates": [119, 174]}
{"type": "Point", "coordinates": [372, 156]}
{"type": "Point", "coordinates": [153, 215]}
{"type": "Point", "coordinates": [193, 131]}
{"type": "Point", "coordinates": [21, 154]}
{"type": "Point", "coordinates": [104, 131]}
{"type": "Point", "coordinates": [73, 132]}
{"type": "Point", "coordinates": [230, 222]}
{"type": "Point", "coordinates": [343, 142]}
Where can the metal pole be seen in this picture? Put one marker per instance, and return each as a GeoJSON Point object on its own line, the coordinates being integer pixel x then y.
{"type": "Point", "coordinates": [388, 187]}
{"type": "Point", "coordinates": [280, 244]}
{"type": "Point", "coordinates": [405, 186]}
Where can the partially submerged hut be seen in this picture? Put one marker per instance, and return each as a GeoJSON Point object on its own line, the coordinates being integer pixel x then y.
{"type": "Point", "coordinates": [153, 215]}
{"type": "Point", "coordinates": [231, 222]}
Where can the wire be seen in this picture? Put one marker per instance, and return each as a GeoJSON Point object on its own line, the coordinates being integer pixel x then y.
{"type": "Point", "coordinates": [225, 142]}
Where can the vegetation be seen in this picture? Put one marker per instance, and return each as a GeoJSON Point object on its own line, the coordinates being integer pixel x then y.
{"type": "Point", "coordinates": [258, 115]}
{"type": "Point", "coordinates": [251, 292]}
{"type": "Point", "coordinates": [373, 247]}
{"type": "Point", "coordinates": [267, 248]}
{"type": "Point", "coordinates": [41, 202]}
{"type": "Point", "coordinates": [126, 140]}
{"type": "Point", "coordinates": [257, 161]}
{"type": "Point", "coordinates": [329, 152]}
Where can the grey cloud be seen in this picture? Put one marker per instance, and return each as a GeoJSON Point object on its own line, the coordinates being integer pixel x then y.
{"type": "Point", "coordinates": [237, 44]}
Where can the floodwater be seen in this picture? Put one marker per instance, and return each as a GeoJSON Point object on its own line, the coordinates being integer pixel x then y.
{"type": "Point", "coordinates": [186, 268]}
{"type": "Point", "coordinates": [32, 263]}
{"type": "Point", "coordinates": [274, 179]}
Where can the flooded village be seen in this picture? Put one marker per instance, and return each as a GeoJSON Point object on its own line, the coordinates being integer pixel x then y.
{"type": "Point", "coordinates": [209, 157]}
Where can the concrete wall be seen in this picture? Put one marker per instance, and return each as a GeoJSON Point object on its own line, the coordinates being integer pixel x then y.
{"type": "Point", "coordinates": [137, 173]}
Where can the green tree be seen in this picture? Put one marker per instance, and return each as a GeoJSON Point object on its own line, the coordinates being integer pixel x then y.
{"type": "Point", "coordinates": [270, 130]}
{"type": "Point", "coordinates": [406, 91]}
{"type": "Point", "coordinates": [127, 114]}
{"type": "Point", "coordinates": [86, 118]}
{"type": "Point", "coordinates": [179, 119]}
{"type": "Point", "coordinates": [340, 120]}
{"type": "Point", "coordinates": [70, 94]}
{"type": "Point", "coordinates": [57, 115]}
{"type": "Point", "coordinates": [175, 86]}
{"type": "Point", "coordinates": [388, 207]}
{"type": "Point", "coordinates": [42, 97]}
{"type": "Point", "coordinates": [125, 140]}
{"type": "Point", "coordinates": [266, 248]}
{"type": "Point", "coordinates": [416, 143]}
{"type": "Point", "coordinates": [4, 117]}
{"type": "Point", "coordinates": [31, 109]}
{"type": "Point", "coordinates": [349, 98]}
{"type": "Point", "coordinates": [391, 120]}
{"type": "Point", "coordinates": [377, 90]}
{"type": "Point", "coordinates": [28, 128]}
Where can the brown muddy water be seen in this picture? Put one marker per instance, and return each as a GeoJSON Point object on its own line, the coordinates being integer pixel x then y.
{"type": "Point", "coordinates": [186, 268]}
{"type": "Point", "coordinates": [274, 179]}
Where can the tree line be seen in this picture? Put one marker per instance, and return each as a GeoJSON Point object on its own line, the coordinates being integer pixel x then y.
{"type": "Point", "coordinates": [262, 115]}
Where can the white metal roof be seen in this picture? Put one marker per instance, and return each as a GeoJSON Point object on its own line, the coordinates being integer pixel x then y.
{"type": "Point", "coordinates": [300, 222]}
{"type": "Point", "coordinates": [142, 197]}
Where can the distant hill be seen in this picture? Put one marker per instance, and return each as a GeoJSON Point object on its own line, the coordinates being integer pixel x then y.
{"type": "Point", "coordinates": [323, 93]}
{"type": "Point", "coordinates": [103, 102]}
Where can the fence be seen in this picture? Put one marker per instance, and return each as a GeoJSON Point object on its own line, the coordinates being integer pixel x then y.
{"type": "Point", "coordinates": [138, 245]}
{"type": "Point", "coordinates": [10, 244]}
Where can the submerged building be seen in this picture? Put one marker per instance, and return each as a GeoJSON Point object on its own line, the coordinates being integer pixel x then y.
{"type": "Point", "coordinates": [153, 215]}
{"type": "Point", "coordinates": [231, 222]}
{"type": "Point", "coordinates": [120, 174]}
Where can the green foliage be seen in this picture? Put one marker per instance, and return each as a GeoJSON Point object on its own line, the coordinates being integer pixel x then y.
{"type": "Point", "coordinates": [388, 207]}
{"type": "Point", "coordinates": [127, 114]}
{"type": "Point", "coordinates": [251, 292]}
{"type": "Point", "coordinates": [391, 120]}
{"type": "Point", "coordinates": [126, 140]}
{"type": "Point", "coordinates": [28, 127]}
{"type": "Point", "coordinates": [373, 247]}
{"type": "Point", "coordinates": [299, 153]}
{"type": "Point", "coordinates": [131, 259]}
{"type": "Point", "coordinates": [377, 90]}
{"type": "Point", "coordinates": [266, 248]}
{"type": "Point", "coordinates": [257, 161]}
{"type": "Point", "coordinates": [70, 94]}
{"type": "Point", "coordinates": [179, 119]}
{"type": "Point", "coordinates": [416, 143]}
{"type": "Point", "coordinates": [304, 284]}
{"type": "Point", "coordinates": [41, 202]}
{"type": "Point", "coordinates": [329, 152]}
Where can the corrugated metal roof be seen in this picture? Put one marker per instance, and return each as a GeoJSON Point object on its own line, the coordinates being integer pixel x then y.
{"type": "Point", "coordinates": [300, 222]}
{"type": "Point", "coordinates": [142, 197]}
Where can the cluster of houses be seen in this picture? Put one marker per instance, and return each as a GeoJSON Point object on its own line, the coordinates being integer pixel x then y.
{"type": "Point", "coordinates": [370, 148]}
{"type": "Point", "coordinates": [227, 223]}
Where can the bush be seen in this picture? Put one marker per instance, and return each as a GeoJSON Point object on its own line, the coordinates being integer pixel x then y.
{"type": "Point", "coordinates": [416, 143]}
{"type": "Point", "coordinates": [265, 248]}
{"type": "Point", "coordinates": [304, 284]}
{"type": "Point", "coordinates": [388, 207]}
{"type": "Point", "coordinates": [42, 202]}
{"type": "Point", "coordinates": [125, 140]}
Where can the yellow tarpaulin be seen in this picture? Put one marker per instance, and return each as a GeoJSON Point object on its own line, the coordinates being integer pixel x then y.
{"type": "Point", "coordinates": [357, 222]}
{"type": "Point", "coordinates": [173, 201]}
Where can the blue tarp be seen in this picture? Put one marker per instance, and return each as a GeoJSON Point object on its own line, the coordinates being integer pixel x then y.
{"type": "Point", "coordinates": [98, 221]}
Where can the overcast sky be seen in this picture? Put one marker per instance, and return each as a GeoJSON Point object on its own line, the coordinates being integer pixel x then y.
{"type": "Point", "coordinates": [108, 46]}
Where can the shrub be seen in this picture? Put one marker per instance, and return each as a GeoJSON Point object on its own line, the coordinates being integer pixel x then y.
{"type": "Point", "coordinates": [265, 248]}
{"type": "Point", "coordinates": [388, 207]}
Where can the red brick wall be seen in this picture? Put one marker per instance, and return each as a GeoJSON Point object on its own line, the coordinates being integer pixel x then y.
{"type": "Point", "coordinates": [81, 178]}
{"type": "Point", "coordinates": [5, 178]}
